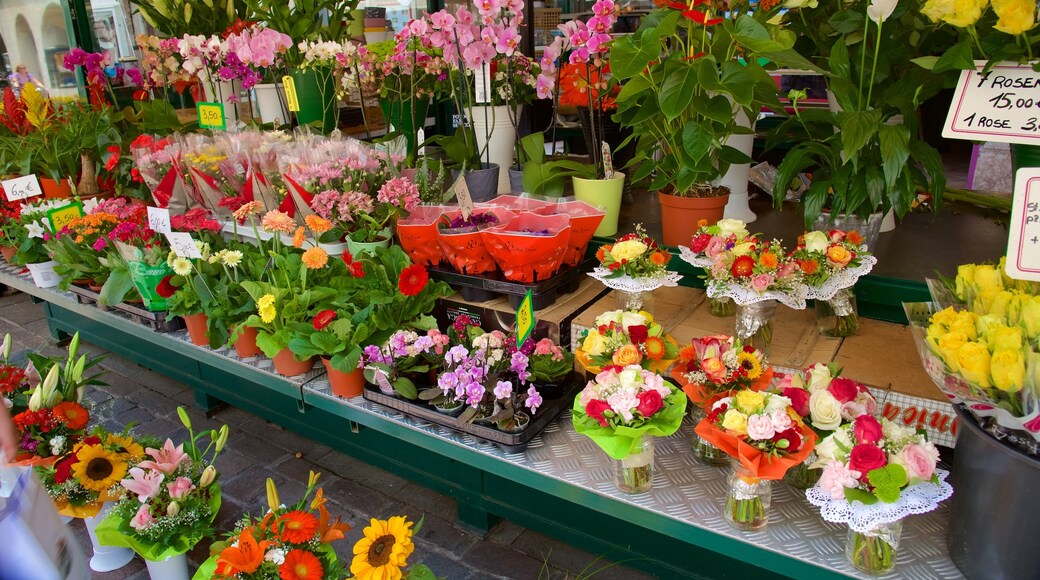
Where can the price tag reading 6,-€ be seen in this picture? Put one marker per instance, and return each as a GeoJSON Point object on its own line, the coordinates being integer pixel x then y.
{"type": "Point", "coordinates": [211, 116]}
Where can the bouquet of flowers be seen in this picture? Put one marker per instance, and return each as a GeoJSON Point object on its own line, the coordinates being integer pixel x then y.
{"type": "Point", "coordinates": [89, 475]}
{"type": "Point", "coordinates": [825, 401]}
{"type": "Point", "coordinates": [830, 264]}
{"type": "Point", "coordinates": [765, 437]}
{"type": "Point", "coordinates": [626, 338]}
{"type": "Point", "coordinates": [634, 264]}
{"type": "Point", "coordinates": [286, 541]}
{"type": "Point", "coordinates": [171, 499]}
{"type": "Point", "coordinates": [216, 175]}
{"type": "Point", "coordinates": [874, 474]}
{"type": "Point", "coordinates": [157, 162]}
{"type": "Point", "coordinates": [621, 410]}
{"type": "Point", "coordinates": [708, 242]}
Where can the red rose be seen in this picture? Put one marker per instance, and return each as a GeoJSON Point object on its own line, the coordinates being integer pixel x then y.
{"type": "Point", "coordinates": [596, 408]}
{"type": "Point", "coordinates": [836, 235]}
{"type": "Point", "coordinates": [799, 400]}
{"type": "Point", "coordinates": [867, 430]}
{"type": "Point", "coordinates": [165, 289]}
{"type": "Point", "coordinates": [700, 241]}
{"type": "Point", "coordinates": [92, 440]}
{"type": "Point", "coordinates": [866, 458]}
{"type": "Point", "coordinates": [63, 469]}
{"type": "Point", "coordinates": [793, 437]}
{"type": "Point", "coordinates": [844, 390]}
{"type": "Point", "coordinates": [323, 319]}
{"type": "Point", "coordinates": [649, 403]}
{"type": "Point", "coordinates": [638, 333]}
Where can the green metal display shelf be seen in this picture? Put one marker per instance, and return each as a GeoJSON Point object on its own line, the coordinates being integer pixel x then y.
{"type": "Point", "coordinates": [485, 487]}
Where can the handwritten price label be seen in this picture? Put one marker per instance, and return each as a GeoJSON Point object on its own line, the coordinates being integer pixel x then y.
{"type": "Point", "coordinates": [183, 245]}
{"type": "Point", "coordinates": [159, 220]}
{"type": "Point", "coordinates": [291, 100]}
{"type": "Point", "coordinates": [211, 116]}
{"type": "Point", "coordinates": [608, 160]}
{"type": "Point", "coordinates": [61, 216]}
{"type": "Point", "coordinates": [461, 189]}
{"type": "Point", "coordinates": [1001, 105]}
{"type": "Point", "coordinates": [22, 187]}
{"type": "Point", "coordinates": [1023, 252]}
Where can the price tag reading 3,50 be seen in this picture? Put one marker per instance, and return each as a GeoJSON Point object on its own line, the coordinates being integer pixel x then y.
{"type": "Point", "coordinates": [211, 116]}
{"type": "Point", "coordinates": [183, 245]}
{"type": "Point", "coordinates": [1023, 252]}
{"type": "Point", "coordinates": [1000, 105]}
{"type": "Point", "coordinates": [61, 216]}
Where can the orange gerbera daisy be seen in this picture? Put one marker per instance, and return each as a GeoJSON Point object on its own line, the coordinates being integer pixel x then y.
{"type": "Point", "coordinates": [660, 258]}
{"type": "Point", "coordinates": [601, 253]}
{"type": "Point", "coordinates": [278, 222]}
{"type": "Point", "coordinates": [317, 224]}
{"type": "Point", "coordinates": [768, 260]}
{"type": "Point", "coordinates": [72, 414]}
{"type": "Point", "coordinates": [688, 353]}
{"type": "Point", "coordinates": [655, 348]}
{"type": "Point", "coordinates": [301, 565]}
{"type": "Point", "coordinates": [809, 267]}
{"type": "Point", "coordinates": [297, 526]}
{"type": "Point", "coordinates": [298, 237]}
{"type": "Point", "coordinates": [315, 258]}
{"type": "Point", "coordinates": [853, 237]}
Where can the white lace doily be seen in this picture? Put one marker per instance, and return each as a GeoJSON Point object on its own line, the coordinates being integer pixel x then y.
{"type": "Point", "coordinates": [629, 284]}
{"type": "Point", "coordinates": [841, 280]}
{"type": "Point", "coordinates": [692, 258]}
{"type": "Point", "coordinates": [917, 499]}
{"type": "Point", "coordinates": [742, 295]}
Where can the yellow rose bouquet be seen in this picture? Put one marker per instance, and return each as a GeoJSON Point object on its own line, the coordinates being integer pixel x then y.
{"type": "Point", "coordinates": [623, 338]}
{"type": "Point", "coordinates": [1004, 36]}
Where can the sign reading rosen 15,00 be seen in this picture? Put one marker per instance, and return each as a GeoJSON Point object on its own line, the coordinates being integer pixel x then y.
{"type": "Point", "coordinates": [1001, 104]}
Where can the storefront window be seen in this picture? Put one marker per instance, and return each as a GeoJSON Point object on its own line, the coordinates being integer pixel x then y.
{"type": "Point", "coordinates": [34, 39]}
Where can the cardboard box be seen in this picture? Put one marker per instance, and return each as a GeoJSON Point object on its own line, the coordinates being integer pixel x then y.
{"type": "Point", "coordinates": [554, 321]}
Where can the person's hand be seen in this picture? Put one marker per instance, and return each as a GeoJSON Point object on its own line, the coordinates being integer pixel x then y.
{"type": "Point", "coordinates": [8, 435]}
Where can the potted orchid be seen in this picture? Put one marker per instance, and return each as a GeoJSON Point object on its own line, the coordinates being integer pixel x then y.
{"type": "Point", "coordinates": [255, 54]}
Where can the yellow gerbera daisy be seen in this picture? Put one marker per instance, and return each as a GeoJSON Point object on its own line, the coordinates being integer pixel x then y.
{"type": "Point", "coordinates": [125, 445]}
{"type": "Point", "coordinates": [98, 468]}
{"type": "Point", "coordinates": [384, 550]}
{"type": "Point", "coordinates": [750, 363]}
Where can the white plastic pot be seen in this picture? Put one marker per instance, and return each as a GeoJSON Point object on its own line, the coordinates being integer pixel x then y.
{"type": "Point", "coordinates": [172, 568]}
{"type": "Point", "coordinates": [43, 274]}
{"type": "Point", "coordinates": [105, 558]}
{"type": "Point", "coordinates": [736, 178]}
{"type": "Point", "coordinates": [494, 122]}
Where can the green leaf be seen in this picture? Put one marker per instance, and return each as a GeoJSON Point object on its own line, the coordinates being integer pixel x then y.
{"type": "Point", "coordinates": [839, 61]}
{"type": "Point", "coordinates": [855, 494]}
{"type": "Point", "coordinates": [697, 140]}
{"type": "Point", "coordinates": [718, 109]}
{"type": "Point", "coordinates": [895, 148]}
{"type": "Point", "coordinates": [680, 83]}
{"type": "Point", "coordinates": [630, 56]}
{"type": "Point", "coordinates": [846, 21]}
{"type": "Point", "coordinates": [957, 57]}
{"type": "Point", "coordinates": [857, 128]}
{"type": "Point", "coordinates": [406, 388]}
{"type": "Point", "coordinates": [887, 482]}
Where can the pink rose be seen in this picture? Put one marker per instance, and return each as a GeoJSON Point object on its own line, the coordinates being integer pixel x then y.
{"type": "Point", "coordinates": [843, 389]}
{"type": "Point", "coordinates": [180, 487]}
{"type": "Point", "coordinates": [762, 282]}
{"type": "Point", "coordinates": [142, 519]}
{"type": "Point", "coordinates": [715, 247]}
{"type": "Point", "coordinates": [787, 269]}
{"type": "Point", "coordinates": [799, 400]}
{"type": "Point", "coordinates": [867, 430]}
{"type": "Point", "coordinates": [918, 460]}
{"type": "Point", "coordinates": [781, 420]}
{"type": "Point", "coordinates": [760, 427]}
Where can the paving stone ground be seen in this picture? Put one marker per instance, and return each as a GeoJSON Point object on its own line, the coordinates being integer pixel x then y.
{"type": "Point", "coordinates": [258, 449]}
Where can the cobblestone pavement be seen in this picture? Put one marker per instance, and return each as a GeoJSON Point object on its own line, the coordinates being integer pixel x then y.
{"type": "Point", "coordinates": [258, 449]}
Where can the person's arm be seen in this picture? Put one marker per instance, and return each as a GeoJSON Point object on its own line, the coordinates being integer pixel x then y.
{"type": "Point", "coordinates": [8, 435]}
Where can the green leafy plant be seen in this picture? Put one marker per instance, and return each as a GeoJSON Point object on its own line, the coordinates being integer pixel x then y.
{"type": "Point", "coordinates": [339, 340]}
{"type": "Point", "coordinates": [179, 17]}
{"type": "Point", "coordinates": [543, 175]}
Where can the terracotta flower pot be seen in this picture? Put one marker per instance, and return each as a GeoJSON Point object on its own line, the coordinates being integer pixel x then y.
{"type": "Point", "coordinates": [8, 253]}
{"type": "Point", "coordinates": [680, 215]}
{"type": "Point", "coordinates": [343, 384]}
{"type": "Point", "coordinates": [55, 189]}
{"type": "Point", "coordinates": [245, 344]}
{"type": "Point", "coordinates": [196, 325]}
{"type": "Point", "coordinates": [285, 364]}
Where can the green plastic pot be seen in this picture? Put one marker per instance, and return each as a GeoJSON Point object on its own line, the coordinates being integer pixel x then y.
{"type": "Point", "coordinates": [603, 194]}
{"type": "Point", "coordinates": [316, 92]}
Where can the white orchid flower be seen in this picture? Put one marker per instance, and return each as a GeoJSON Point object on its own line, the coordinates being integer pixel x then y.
{"type": "Point", "coordinates": [880, 10]}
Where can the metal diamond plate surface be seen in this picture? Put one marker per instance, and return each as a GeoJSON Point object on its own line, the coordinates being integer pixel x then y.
{"type": "Point", "coordinates": [692, 493]}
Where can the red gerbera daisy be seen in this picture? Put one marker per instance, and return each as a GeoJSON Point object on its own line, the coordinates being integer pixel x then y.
{"type": "Point", "coordinates": [348, 258]}
{"type": "Point", "coordinates": [301, 565]}
{"type": "Point", "coordinates": [323, 319]}
{"type": "Point", "coordinates": [357, 270]}
{"type": "Point", "coordinates": [743, 267]}
{"type": "Point", "coordinates": [413, 280]}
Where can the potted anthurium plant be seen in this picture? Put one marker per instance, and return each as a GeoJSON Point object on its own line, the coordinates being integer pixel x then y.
{"type": "Point", "coordinates": [875, 162]}
{"type": "Point", "coordinates": [687, 74]}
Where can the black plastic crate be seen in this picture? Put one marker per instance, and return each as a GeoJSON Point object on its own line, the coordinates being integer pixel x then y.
{"type": "Point", "coordinates": [481, 287]}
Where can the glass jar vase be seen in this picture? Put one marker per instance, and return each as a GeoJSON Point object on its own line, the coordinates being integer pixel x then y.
{"type": "Point", "coordinates": [702, 448]}
{"type": "Point", "coordinates": [722, 307]}
{"type": "Point", "coordinates": [754, 324]}
{"type": "Point", "coordinates": [839, 315]}
{"type": "Point", "coordinates": [800, 476]}
{"type": "Point", "coordinates": [635, 472]}
{"type": "Point", "coordinates": [747, 503]}
{"type": "Point", "coordinates": [635, 301]}
{"type": "Point", "coordinates": [874, 551]}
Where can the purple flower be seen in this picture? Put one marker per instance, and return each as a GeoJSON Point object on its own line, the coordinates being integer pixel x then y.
{"type": "Point", "coordinates": [503, 390]}
{"type": "Point", "coordinates": [372, 354]}
{"type": "Point", "coordinates": [534, 399]}
{"type": "Point", "coordinates": [448, 381]}
{"type": "Point", "coordinates": [456, 355]}
{"type": "Point", "coordinates": [474, 393]}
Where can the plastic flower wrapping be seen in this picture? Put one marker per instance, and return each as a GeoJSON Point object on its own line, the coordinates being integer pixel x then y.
{"type": "Point", "coordinates": [824, 399]}
{"type": "Point", "coordinates": [624, 338]}
{"type": "Point", "coordinates": [718, 364]}
{"type": "Point", "coordinates": [760, 430]}
{"type": "Point", "coordinates": [217, 172]}
{"type": "Point", "coordinates": [624, 403]}
{"type": "Point", "coordinates": [157, 162]}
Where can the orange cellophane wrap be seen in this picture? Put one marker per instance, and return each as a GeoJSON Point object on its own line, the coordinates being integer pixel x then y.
{"type": "Point", "coordinates": [699, 395]}
{"type": "Point", "coordinates": [527, 257]}
{"type": "Point", "coordinates": [84, 511]}
{"type": "Point", "coordinates": [759, 464]}
{"type": "Point", "coordinates": [466, 252]}
{"type": "Point", "coordinates": [30, 460]}
{"type": "Point", "coordinates": [657, 366]}
{"type": "Point", "coordinates": [418, 234]}
{"type": "Point", "coordinates": [584, 221]}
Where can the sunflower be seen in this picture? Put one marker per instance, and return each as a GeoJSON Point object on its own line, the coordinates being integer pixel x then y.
{"type": "Point", "coordinates": [315, 258]}
{"type": "Point", "coordinates": [72, 414]}
{"type": "Point", "coordinates": [98, 468]}
{"type": "Point", "coordinates": [654, 347]}
{"type": "Point", "coordinates": [124, 445]}
{"type": "Point", "coordinates": [297, 527]}
{"type": "Point", "coordinates": [749, 362]}
{"type": "Point", "coordinates": [301, 565]}
{"type": "Point", "coordinates": [384, 550]}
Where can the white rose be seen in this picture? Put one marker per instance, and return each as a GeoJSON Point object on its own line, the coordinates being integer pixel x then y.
{"type": "Point", "coordinates": [776, 403]}
{"type": "Point", "coordinates": [730, 226]}
{"type": "Point", "coordinates": [828, 449]}
{"type": "Point", "coordinates": [630, 378]}
{"type": "Point", "coordinates": [608, 317]}
{"type": "Point", "coordinates": [632, 319]}
{"type": "Point", "coordinates": [895, 432]}
{"type": "Point", "coordinates": [819, 377]}
{"type": "Point", "coordinates": [825, 411]}
{"type": "Point", "coordinates": [816, 241]}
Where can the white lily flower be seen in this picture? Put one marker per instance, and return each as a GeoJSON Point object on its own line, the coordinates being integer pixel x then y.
{"type": "Point", "coordinates": [880, 10]}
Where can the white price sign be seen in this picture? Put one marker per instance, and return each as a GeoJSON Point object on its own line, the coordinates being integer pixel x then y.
{"type": "Point", "coordinates": [461, 189]}
{"type": "Point", "coordinates": [183, 245]}
{"type": "Point", "coordinates": [1001, 105]}
{"type": "Point", "coordinates": [159, 220]}
{"type": "Point", "coordinates": [482, 81]}
{"type": "Point", "coordinates": [22, 187]}
{"type": "Point", "coordinates": [1023, 252]}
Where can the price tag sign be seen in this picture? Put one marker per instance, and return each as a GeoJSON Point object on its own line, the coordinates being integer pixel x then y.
{"type": "Point", "coordinates": [61, 216]}
{"type": "Point", "coordinates": [608, 160]}
{"type": "Point", "coordinates": [461, 189]}
{"type": "Point", "coordinates": [482, 80]}
{"type": "Point", "coordinates": [524, 319]}
{"type": "Point", "coordinates": [211, 116]}
{"type": "Point", "coordinates": [22, 187]}
{"type": "Point", "coordinates": [291, 100]}
{"type": "Point", "coordinates": [159, 220]}
{"type": "Point", "coordinates": [1023, 251]}
{"type": "Point", "coordinates": [1002, 105]}
{"type": "Point", "coordinates": [183, 245]}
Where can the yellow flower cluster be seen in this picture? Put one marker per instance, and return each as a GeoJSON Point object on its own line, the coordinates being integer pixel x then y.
{"type": "Point", "coordinates": [979, 285]}
{"type": "Point", "coordinates": [959, 13]}
{"type": "Point", "coordinates": [988, 350]}
{"type": "Point", "coordinates": [265, 308]}
{"type": "Point", "coordinates": [1015, 17]}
